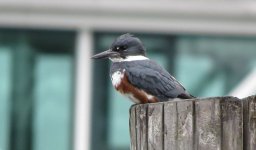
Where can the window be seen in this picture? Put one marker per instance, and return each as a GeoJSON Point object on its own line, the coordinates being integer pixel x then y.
{"type": "Point", "coordinates": [37, 89]}
{"type": "Point", "coordinates": [5, 88]}
{"type": "Point", "coordinates": [215, 64]}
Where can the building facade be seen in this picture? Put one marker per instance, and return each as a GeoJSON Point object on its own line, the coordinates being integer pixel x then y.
{"type": "Point", "coordinates": [54, 97]}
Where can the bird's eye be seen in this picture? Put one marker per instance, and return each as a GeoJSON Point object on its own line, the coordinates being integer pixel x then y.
{"type": "Point", "coordinates": [120, 48]}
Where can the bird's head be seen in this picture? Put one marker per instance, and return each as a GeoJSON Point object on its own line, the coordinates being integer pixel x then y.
{"type": "Point", "coordinates": [123, 47]}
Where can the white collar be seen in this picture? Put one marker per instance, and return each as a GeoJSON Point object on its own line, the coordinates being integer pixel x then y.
{"type": "Point", "coordinates": [129, 58]}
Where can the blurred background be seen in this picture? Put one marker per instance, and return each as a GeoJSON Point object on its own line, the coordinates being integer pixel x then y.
{"type": "Point", "coordinates": [54, 97]}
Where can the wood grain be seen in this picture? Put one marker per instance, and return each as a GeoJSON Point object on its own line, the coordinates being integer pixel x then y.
{"type": "Point", "coordinates": [141, 127]}
{"type": "Point", "coordinates": [208, 124]}
{"type": "Point", "coordinates": [132, 123]}
{"type": "Point", "coordinates": [185, 125]}
{"type": "Point", "coordinates": [250, 123]}
{"type": "Point", "coordinates": [217, 123]}
{"type": "Point", "coordinates": [170, 126]}
{"type": "Point", "coordinates": [155, 126]}
{"type": "Point", "coordinates": [232, 123]}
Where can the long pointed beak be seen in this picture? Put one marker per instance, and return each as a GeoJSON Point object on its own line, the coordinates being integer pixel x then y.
{"type": "Point", "coordinates": [106, 54]}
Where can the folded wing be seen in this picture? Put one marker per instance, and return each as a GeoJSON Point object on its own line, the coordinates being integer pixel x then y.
{"type": "Point", "coordinates": [152, 78]}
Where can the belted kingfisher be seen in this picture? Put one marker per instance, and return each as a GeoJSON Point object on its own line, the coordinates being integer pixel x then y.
{"type": "Point", "coordinates": [136, 76]}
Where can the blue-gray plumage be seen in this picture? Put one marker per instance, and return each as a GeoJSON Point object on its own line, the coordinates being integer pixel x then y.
{"type": "Point", "coordinates": [137, 77]}
{"type": "Point", "coordinates": [149, 76]}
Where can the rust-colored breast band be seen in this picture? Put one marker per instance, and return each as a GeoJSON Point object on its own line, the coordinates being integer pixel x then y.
{"type": "Point", "coordinates": [125, 87]}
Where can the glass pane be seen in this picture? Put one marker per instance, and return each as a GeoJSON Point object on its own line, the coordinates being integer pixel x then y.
{"type": "Point", "coordinates": [36, 89]}
{"type": "Point", "coordinates": [53, 93]}
{"type": "Point", "coordinates": [216, 65]}
{"type": "Point", "coordinates": [5, 89]}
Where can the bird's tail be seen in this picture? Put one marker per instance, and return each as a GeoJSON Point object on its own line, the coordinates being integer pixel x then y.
{"type": "Point", "coordinates": [186, 96]}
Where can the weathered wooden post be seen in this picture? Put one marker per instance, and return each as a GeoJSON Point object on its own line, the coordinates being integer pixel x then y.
{"type": "Point", "coordinates": [217, 123]}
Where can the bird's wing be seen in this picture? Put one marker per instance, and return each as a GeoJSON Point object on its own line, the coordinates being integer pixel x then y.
{"type": "Point", "coordinates": [153, 79]}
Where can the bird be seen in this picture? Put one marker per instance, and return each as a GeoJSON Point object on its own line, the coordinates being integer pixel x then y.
{"type": "Point", "coordinates": [136, 76]}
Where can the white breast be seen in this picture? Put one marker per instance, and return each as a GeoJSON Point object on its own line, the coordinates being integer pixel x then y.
{"type": "Point", "coordinates": [132, 98]}
{"type": "Point", "coordinates": [116, 78]}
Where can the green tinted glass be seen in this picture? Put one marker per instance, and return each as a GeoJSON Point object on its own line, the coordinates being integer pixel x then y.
{"type": "Point", "coordinates": [36, 89]}
{"type": "Point", "coordinates": [5, 97]}
{"type": "Point", "coordinates": [52, 118]}
{"type": "Point", "coordinates": [215, 65]}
